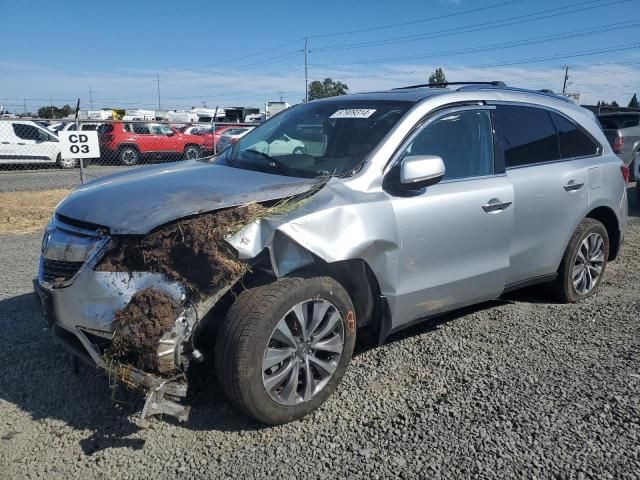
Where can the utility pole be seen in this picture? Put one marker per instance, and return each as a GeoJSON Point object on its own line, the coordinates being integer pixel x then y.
{"type": "Point", "coordinates": [158, 79]}
{"type": "Point", "coordinates": [566, 78]}
{"type": "Point", "coordinates": [24, 104]}
{"type": "Point", "coordinates": [90, 97]}
{"type": "Point", "coordinates": [281, 94]}
{"type": "Point", "coordinates": [306, 73]}
{"type": "Point", "coordinates": [51, 105]}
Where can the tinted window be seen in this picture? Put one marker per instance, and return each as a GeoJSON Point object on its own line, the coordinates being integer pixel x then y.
{"type": "Point", "coordinates": [525, 135]}
{"type": "Point", "coordinates": [463, 140]}
{"type": "Point", "coordinates": [140, 128]}
{"type": "Point", "coordinates": [29, 132]}
{"type": "Point", "coordinates": [105, 128]}
{"type": "Point", "coordinates": [573, 141]}
{"type": "Point", "coordinates": [89, 127]}
{"type": "Point", "coordinates": [619, 121]}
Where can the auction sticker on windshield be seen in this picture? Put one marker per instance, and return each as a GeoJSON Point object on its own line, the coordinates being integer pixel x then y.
{"type": "Point", "coordinates": [354, 113]}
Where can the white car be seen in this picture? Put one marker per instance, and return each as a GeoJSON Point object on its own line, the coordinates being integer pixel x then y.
{"type": "Point", "coordinates": [232, 136]}
{"type": "Point", "coordinates": [84, 127]}
{"type": "Point", "coordinates": [23, 141]}
{"type": "Point", "coordinates": [284, 145]}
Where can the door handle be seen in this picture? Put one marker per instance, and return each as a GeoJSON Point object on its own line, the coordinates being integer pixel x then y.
{"type": "Point", "coordinates": [5, 143]}
{"type": "Point", "coordinates": [573, 186]}
{"type": "Point", "coordinates": [495, 205]}
{"type": "Point", "coordinates": [21, 143]}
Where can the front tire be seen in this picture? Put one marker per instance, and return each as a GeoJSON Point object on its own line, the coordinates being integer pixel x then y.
{"type": "Point", "coordinates": [284, 347]}
{"type": "Point", "coordinates": [584, 262]}
{"type": "Point", "coordinates": [66, 162]}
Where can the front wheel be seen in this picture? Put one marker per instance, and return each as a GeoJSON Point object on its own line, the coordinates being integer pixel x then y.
{"type": "Point", "coordinates": [284, 347]}
{"type": "Point", "coordinates": [66, 162]}
{"type": "Point", "coordinates": [583, 263]}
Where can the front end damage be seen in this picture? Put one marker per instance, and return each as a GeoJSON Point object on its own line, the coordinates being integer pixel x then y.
{"type": "Point", "coordinates": [131, 305]}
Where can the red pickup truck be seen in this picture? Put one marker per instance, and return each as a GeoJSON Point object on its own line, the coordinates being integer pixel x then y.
{"type": "Point", "coordinates": [129, 142]}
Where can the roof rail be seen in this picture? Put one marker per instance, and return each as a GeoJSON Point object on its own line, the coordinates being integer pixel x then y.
{"type": "Point", "coordinates": [494, 83]}
{"type": "Point", "coordinates": [546, 93]}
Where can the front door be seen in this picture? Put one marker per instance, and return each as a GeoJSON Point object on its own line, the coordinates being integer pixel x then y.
{"type": "Point", "coordinates": [455, 235]}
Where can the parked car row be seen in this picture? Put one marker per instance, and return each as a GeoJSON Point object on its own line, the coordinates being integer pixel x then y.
{"type": "Point", "coordinates": [124, 143]}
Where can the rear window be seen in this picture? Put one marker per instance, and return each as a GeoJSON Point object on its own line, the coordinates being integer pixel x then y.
{"type": "Point", "coordinates": [105, 128]}
{"type": "Point", "coordinates": [525, 135]}
{"type": "Point", "coordinates": [573, 141]}
{"type": "Point", "coordinates": [615, 122]}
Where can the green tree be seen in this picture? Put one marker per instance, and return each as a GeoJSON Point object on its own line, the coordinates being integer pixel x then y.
{"type": "Point", "coordinates": [634, 102]}
{"type": "Point", "coordinates": [327, 88]}
{"type": "Point", "coordinates": [614, 104]}
{"type": "Point", "coordinates": [437, 77]}
{"type": "Point", "coordinates": [52, 111]}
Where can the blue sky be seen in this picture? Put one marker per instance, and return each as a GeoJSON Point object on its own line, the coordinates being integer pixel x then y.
{"type": "Point", "coordinates": [244, 53]}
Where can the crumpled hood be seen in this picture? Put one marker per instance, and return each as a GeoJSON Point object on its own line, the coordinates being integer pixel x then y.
{"type": "Point", "coordinates": [138, 201]}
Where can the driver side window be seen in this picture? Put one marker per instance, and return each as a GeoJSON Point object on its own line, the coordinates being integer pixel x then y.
{"type": "Point", "coordinates": [463, 139]}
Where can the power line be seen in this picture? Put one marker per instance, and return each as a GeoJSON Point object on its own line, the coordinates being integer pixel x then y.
{"type": "Point", "coordinates": [494, 46]}
{"type": "Point", "coordinates": [413, 22]}
{"type": "Point", "coordinates": [516, 20]}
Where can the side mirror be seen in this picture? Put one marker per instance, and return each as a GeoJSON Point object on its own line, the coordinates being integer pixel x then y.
{"type": "Point", "coordinates": [421, 171]}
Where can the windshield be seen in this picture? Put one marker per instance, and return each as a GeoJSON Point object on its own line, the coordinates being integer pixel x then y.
{"type": "Point", "coordinates": [318, 138]}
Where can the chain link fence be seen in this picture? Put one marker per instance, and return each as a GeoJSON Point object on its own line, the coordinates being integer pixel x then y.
{"type": "Point", "coordinates": [30, 149]}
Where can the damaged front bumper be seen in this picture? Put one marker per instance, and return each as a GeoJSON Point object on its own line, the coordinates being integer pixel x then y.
{"type": "Point", "coordinates": [79, 304]}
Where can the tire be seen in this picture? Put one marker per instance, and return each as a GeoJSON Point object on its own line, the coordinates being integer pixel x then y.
{"type": "Point", "coordinates": [66, 162]}
{"type": "Point", "coordinates": [253, 324]}
{"type": "Point", "coordinates": [579, 247]}
{"type": "Point", "coordinates": [128, 155]}
{"type": "Point", "coordinates": [192, 152]}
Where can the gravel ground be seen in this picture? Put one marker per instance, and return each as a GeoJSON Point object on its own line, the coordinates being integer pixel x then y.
{"type": "Point", "coordinates": [519, 387]}
{"type": "Point", "coordinates": [15, 178]}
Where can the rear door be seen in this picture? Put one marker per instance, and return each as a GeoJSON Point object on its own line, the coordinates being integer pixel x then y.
{"type": "Point", "coordinates": [550, 186]}
{"type": "Point", "coordinates": [143, 137]}
{"type": "Point", "coordinates": [455, 235]}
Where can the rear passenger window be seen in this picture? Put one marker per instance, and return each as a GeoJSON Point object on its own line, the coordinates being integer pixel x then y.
{"type": "Point", "coordinates": [525, 135]}
{"type": "Point", "coordinates": [573, 141]}
{"type": "Point", "coordinates": [141, 128]}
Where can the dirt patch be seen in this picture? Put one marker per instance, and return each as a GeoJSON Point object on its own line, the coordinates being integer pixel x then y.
{"type": "Point", "coordinates": [27, 212]}
{"type": "Point", "coordinates": [138, 326]}
{"type": "Point", "coordinates": [192, 251]}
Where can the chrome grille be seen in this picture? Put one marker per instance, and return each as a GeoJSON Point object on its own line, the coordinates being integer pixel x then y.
{"type": "Point", "coordinates": [53, 269]}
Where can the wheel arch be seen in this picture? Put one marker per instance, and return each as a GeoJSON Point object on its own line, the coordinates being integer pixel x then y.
{"type": "Point", "coordinates": [608, 218]}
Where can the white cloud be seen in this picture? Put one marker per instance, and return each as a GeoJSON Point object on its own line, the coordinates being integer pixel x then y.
{"type": "Point", "coordinates": [184, 88]}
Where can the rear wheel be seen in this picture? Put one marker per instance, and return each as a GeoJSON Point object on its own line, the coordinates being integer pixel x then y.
{"type": "Point", "coordinates": [192, 152]}
{"type": "Point", "coordinates": [128, 155]}
{"type": "Point", "coordinates": [284, 347]}
{"type": "Point", "coordinates": [583, 263]}
{"type": "Point", "coordinates": [66, 162]}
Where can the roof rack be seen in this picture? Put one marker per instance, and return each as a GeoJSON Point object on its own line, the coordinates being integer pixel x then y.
{"type": "Point", "coordinates": [490, 86]}
{"type": "Point", "coordinates": [494, 83]}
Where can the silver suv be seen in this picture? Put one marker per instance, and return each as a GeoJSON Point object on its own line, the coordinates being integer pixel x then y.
{"type": "Point", "coordinates": [404, 204]}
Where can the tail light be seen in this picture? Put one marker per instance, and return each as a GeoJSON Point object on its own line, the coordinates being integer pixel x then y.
{"type": "Point", "coordinates": [625, 173]}
{"type": "Point", "coordinates": [618, 144]}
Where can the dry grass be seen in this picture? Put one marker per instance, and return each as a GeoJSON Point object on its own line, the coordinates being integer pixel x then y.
{"type": "Point", "coordinates": [27, 212]}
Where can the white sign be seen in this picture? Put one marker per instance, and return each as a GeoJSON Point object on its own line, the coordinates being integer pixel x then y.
{"type": "Point", "coordinates": [354, 113]}
{"type": "Point", "coordinates": [79, 144]}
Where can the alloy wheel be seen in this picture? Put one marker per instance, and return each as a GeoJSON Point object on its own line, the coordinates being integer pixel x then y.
{"type": "Point", "coordinates": [303, 352]}
{"type": "Point", "coordinates": [588, 264]}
